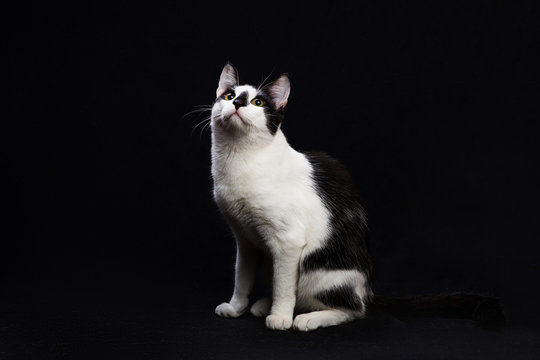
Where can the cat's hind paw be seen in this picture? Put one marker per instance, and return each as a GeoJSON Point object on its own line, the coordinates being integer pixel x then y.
{"type": "Point", "coordinates": [305, 322]}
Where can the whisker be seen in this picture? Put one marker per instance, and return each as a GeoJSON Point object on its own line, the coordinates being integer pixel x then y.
{"type": "Point", "coordinates": [263, 86]}
{"type": "Point", "coordinates": [204, 122]}
{"type": "Point", "coordinates": [204, 128]}
{"type": "Point", "coordinates": [207, 119]}
{"type": "Point", "coordinates": [196, 111]}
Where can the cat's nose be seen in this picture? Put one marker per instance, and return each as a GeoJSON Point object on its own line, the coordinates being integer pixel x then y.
{"type": "Point", "coordinates": [238, 104]}
{"type": "Point", "coordinates": [241, 100]}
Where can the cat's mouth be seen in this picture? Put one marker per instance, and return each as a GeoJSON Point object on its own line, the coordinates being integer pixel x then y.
{"type": "Point", "coordinates": [235, 116]}
{"type": "Point", "coordinates": [230, 119]}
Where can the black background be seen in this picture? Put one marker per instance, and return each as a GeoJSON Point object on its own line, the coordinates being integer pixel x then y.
{"type": "Point", "coordinates": [113, 247]}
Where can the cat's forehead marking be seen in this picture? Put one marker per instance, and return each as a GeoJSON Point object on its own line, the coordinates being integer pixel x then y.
{"type": "Point", "coordinates": [252, 92]}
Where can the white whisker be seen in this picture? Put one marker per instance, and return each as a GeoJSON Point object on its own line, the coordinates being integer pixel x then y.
{"type": "Point", "coordinates": [205, 120]}
{"type": "Point", "coordinates": [263, 85]}
{"type": "Point", "coordinates": [197, 111]}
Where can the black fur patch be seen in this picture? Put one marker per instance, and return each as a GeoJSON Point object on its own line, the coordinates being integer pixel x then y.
{"type": "Point", "coordinates": [241, 100]}
{"type": "Point", "coordinates": [274, 116]}
{"type": "Point", "coordinates": [347, 245]}
{"type": "Point", "coordinates": [341, 297]}
{"type": "Point", "coordinates": [222, 95]}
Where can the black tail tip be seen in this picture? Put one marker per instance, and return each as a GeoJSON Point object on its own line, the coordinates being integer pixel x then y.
{"type": "Point", "coordinates": [489, 314]}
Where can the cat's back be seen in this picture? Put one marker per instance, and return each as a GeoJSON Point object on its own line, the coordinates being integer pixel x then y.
{"type": "Point", "coordinates": [332, 180]}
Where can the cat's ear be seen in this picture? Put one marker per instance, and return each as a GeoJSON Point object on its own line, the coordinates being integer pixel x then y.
{"type": "Point", "coordinates": [280, 90]}
{"type": "Point", "coordinates": [227, 80]}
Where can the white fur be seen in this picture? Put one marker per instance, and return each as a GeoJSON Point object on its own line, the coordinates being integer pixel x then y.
{"type": "Point", "coordinates": [266, 191]}
{"type": "Point", "coordinates": [322, 318]}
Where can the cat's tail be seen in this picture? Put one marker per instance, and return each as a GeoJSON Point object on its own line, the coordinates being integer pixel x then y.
{"type": "Point", "coordinates": [486, 311]}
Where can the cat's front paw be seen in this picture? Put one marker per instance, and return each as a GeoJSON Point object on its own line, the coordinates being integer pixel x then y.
{"type": "Point", "coordinates": [226, 310]}
{"type": "Point", "coordinates": [279, 322]}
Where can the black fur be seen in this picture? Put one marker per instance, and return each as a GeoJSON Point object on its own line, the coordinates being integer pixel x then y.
{"type": "Point", "coordinates": [347, 246]}
{"type": "Point", "coordinates": [275, 117]}
{"type": "Point", "coordinates": [241, 100]}
{"type": "Point", "coordinates": [273, 114]}
{"type": "Point", "coordinates": [222, 95]}
{"type": "Point", "coordinates": [341, 297]}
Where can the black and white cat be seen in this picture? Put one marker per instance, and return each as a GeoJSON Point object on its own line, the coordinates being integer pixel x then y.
{"type": "Point", "coordinates": [296, 216]}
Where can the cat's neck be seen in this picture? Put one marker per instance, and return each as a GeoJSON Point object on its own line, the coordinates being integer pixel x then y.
{"type": "Point", "coordinates": [228, 150]}
{"type": "Point", "coordinates": [225, 145]}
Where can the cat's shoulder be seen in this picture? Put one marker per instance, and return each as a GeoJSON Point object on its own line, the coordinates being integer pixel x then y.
{"type": "Point", "coordinates": [331, 176]}
{"type": "Point", "coordinates": [326, 165]}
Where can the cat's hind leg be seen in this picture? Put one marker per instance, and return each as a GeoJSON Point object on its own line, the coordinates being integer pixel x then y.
{"type": "Point", "coordinates": [343, 303]}
{"type": "Point", "coordinates": [332, 297]}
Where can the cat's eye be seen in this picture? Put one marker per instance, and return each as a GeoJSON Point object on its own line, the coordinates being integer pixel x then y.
{"type": "Point", "coordinates": [229, 96]}
{"type": "Point", "coordinates": [257, 102]}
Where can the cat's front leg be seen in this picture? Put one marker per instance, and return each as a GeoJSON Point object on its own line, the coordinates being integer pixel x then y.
{"type": "Point", "coordinates": [286, 259]}
{"type": "Point", "coordinates": [246, 261]}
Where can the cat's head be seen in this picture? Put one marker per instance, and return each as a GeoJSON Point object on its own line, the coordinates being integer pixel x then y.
{"type": "Point", "coordinates": [246, 110]}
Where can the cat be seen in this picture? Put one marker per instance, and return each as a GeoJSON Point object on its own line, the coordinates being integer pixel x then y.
{"type": "Point", "coordinates": [297, 218]}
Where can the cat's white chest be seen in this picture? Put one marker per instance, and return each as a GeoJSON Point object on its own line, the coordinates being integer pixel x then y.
{"type": "Point", "coordinates": [251, 186]}
{"type": "Point", "coordinates": [271, 192]}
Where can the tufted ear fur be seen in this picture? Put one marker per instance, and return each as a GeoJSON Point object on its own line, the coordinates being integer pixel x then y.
{"type": "Point", "coordinates": [279, 91]}
{"type": "Point", "coordinates": [228, 79]}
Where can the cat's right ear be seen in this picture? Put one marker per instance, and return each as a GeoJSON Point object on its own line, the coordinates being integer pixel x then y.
{"type": "Point", "coordinates": [227, 80]}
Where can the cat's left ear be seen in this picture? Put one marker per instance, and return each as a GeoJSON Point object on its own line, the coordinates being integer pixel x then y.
{"type": "Point", "coordinates": [227, 80]}
{"type": "Point", "coordinates": [280, 90]}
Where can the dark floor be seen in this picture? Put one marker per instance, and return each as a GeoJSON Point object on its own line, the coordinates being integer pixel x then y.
{"type": "Point", "coordinates": [165, 331]}
{"type": "Point", "coordinates": [179, 324]}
